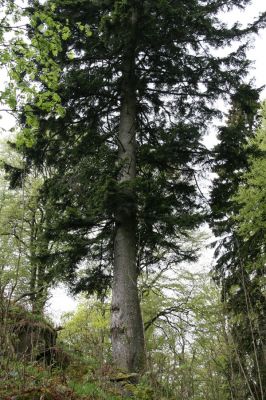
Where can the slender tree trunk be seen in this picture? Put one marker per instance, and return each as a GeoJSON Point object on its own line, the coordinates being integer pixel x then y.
{"type": "Point", "coordinates": [41, 291]}
{"type": "Point", "coordinates": [127, 326]}
{"type": "Point", "coordinates": [38, 285]}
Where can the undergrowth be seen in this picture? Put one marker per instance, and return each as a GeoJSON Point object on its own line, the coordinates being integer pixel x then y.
{"type": "Point", "coordinates": [33, 381]}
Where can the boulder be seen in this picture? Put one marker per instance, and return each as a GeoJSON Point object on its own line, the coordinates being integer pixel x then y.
{"type": "Point", "coordinates": [32, 337]}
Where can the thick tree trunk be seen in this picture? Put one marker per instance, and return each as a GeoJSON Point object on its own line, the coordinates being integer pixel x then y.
{"type": "Point", "coordinates": [127, 326]}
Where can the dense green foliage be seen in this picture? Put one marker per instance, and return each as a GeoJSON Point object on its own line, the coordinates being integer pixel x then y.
{"type": "Point", "coordinates": [26, 272]}
{"type": "Point", "coordinates": [237, 200]}
{"type": "Point", "coordinates": [75, 57]}
{"type": "Point", "coordinates": [251, 194]}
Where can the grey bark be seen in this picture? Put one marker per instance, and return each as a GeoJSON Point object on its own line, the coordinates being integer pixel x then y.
{"type": "Point", "coordinates": [38, 287]}
{"type": "Point", "coordinates": [126, 325]}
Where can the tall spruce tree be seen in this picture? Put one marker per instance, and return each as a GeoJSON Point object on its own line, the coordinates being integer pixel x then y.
{"type": "Point", "coordinates": [237, 267]}
{"type": "Point", "coordinates": [138, 85]}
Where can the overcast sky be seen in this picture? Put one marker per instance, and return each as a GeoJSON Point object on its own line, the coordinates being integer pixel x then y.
{"type": "Point", "coordinates": [60, 301]}
{"type": "Point", "coordinates": [258, 52]}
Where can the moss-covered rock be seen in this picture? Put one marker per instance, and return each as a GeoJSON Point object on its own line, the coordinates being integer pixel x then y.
{"type": "Point", "coordinates": [26, 334]}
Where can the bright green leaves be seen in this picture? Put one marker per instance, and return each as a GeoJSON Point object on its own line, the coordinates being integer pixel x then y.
{"type": "Point", "coordinates": [50, 101]}
{"type": "Point", "coordinates": [251, 195]}
{"type": "Point", "coordinates": [85, 28]}
{"type": "Point", "coordinates": [89, 324]}
{"type": "Point", "coordinates": [65, 33]}
{"type": "Point", "coordinates": [18, 210]}
{"type": "Point", "coordinates": [46, 44]}
{"type": "Point", "coordinates": [25, 138]}
{"type": "Point", "coordinates": [31, 63]}
{"type": "Point", "coordinates": [71, 55]}
{"type": "Point", "coordinates": [9, 97]}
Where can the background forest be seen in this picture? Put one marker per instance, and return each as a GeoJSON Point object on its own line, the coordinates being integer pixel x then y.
{"type": "Point", "coordinates": [103, 190]}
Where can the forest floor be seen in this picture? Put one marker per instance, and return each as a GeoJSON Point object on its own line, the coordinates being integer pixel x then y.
{"type": "Point", "coordinates": [31, 381]}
